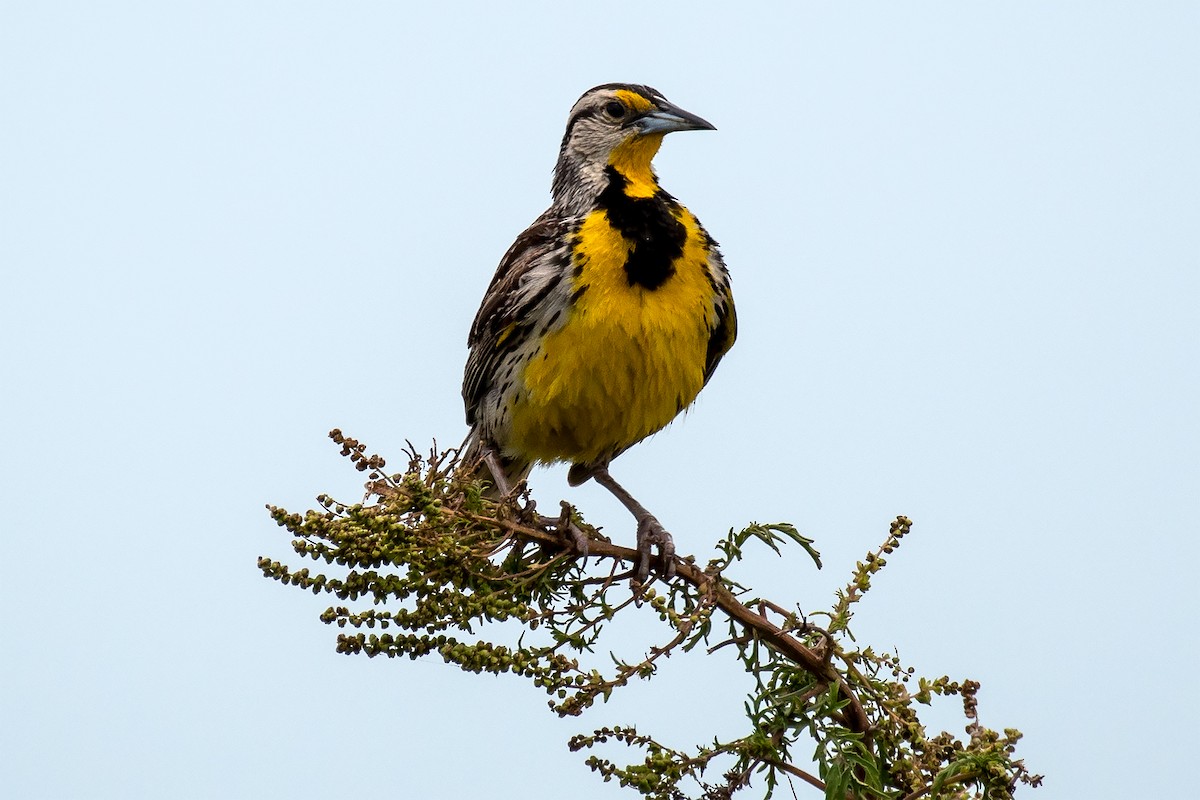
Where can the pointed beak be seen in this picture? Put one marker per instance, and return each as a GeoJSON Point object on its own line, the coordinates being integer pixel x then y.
{"type": "Point", "coordinates": [668, 118]}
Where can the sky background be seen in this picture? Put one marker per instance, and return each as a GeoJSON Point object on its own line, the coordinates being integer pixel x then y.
{"type": "Point", "coordinates": [964, 246]}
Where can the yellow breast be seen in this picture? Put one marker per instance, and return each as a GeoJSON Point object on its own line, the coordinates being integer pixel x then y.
{"type": "Point", "coordinates": [626, 360]}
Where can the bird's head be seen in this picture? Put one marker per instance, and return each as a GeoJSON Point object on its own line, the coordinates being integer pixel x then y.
{"type": "Point", "coordinates": [620, 125]}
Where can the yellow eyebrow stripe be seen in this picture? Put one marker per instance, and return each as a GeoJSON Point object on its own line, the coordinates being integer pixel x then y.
{"type": "Point", "coordinates": [634, 101]}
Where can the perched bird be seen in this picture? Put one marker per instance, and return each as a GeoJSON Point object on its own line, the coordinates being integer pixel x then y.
{"type": "Point", "coordinates": [606, 316]}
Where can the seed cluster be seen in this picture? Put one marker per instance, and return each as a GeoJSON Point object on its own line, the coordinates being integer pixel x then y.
{"type": "Point", "coordinates": [427, 564]}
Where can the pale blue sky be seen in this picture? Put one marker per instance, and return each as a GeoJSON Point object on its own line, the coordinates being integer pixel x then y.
{"type": "Point", "coordinates": [964, 246]}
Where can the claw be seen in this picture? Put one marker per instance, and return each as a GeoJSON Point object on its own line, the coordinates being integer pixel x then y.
{"type": "Point", "coordinates": [652, 534]}
{"type": "Point", "coordinates": [568, 530]}
{"type": "Point", "coordinates": [579, 540]}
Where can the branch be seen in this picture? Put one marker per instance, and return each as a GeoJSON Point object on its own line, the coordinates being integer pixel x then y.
{"type": "Point", "coordinates": [447, 557]}
{"type": "Point", "coordinates": [771, 634]}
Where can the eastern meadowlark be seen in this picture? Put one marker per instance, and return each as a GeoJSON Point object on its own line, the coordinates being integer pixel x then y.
{"type": "Point", "coordinates": [606, 316]}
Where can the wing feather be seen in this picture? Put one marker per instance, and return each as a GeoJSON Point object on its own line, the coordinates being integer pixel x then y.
{"type": "Point", "coordinates": [723, 334]}
{"type": "Point", "coordinates": [529, 271]}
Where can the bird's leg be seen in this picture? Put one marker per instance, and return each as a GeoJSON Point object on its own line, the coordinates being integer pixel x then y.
{"type": "Point", "coordinates": [563, 524]}
{"type": "Point", "coordinates": [650, 532]}
{"type": "Point", "coordinates": [497, 470]}
{"type": "Point", "coordinates": [500, 480]}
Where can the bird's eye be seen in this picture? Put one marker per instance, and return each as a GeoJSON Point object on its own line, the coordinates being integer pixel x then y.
{"type": "Point", "coordinates": [615, 109]}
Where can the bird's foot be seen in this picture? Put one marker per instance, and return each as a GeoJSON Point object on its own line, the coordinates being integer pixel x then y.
{"type": "Point", "coordinates": [652, 534]}
{"type": "Point", "coordinates": [568, 530]}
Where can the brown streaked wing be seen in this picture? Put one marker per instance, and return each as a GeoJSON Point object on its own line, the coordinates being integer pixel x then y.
{"type": "Point", "coordinates": [723, 334]}
{"type": "Point", "coordinates": [508, 303]}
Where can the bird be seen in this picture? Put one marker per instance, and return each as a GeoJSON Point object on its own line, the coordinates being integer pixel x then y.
{"type": "Point", "coordinates": [606, 316]}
